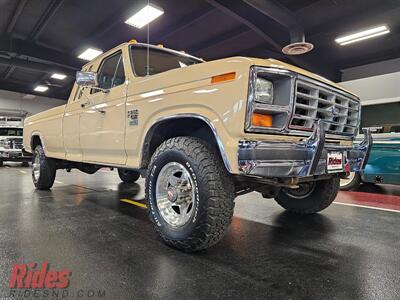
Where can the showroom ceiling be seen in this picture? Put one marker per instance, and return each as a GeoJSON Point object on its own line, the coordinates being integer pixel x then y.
{"type": "Point", "coordinates": [43, 37]}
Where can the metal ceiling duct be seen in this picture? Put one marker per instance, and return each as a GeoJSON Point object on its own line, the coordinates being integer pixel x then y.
{"type": "Point", "coordinates": [283, 16]}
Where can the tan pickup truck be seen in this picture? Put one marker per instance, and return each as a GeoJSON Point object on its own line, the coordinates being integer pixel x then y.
{"type": "Point", "coordinates": [202, 133]}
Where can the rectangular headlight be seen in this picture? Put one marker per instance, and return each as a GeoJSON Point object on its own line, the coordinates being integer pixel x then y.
{"type": "Point", "coordinates": [264, 91]}
{"type": "Point", "coordinates": [5, 144]}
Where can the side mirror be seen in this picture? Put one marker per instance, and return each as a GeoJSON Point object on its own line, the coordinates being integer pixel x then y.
{"type": "Point", "coordinates": [87, 79]}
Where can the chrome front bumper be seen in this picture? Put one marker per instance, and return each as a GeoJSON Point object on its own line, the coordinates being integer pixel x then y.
{"type": "Point", "coordinates": [18, 155]}
{"type": "Point", "coordinates": [301, 159]}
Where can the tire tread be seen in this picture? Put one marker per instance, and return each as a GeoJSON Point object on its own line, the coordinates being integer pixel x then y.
{"type": "Point", "coordinates": [210, 172]}
{"type": "Point", "coordinates": [321, 198]}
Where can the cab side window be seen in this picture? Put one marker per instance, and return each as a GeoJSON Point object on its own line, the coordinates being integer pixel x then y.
{"type": "Point", "coordinates": [119, 77]}
{"type": "Point", "coordinates": [111, 72]}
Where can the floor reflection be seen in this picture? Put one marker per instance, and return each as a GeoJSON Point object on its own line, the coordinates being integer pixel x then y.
{"type": "Point", "coordinates": [341, 253]}
{"type": "Point", "coordinates": [384, 189]}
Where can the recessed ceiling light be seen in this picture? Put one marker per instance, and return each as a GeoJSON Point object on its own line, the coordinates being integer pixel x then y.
{"type": "Point", "coordinates": [90, 54]}
{"type": "Point", "coordinates": [58, 76]}
{"type": "Point", "coordinates": [40, 88]}
{"type": "Point", "coordinates": [362, 35]}
{"type": "Point", "coordinates": [144, 16]}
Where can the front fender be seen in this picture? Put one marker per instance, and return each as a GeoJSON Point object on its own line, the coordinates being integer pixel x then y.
{"type": "Point", "coordinates": [151, 131]}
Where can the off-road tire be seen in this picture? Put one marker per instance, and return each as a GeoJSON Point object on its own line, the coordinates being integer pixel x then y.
{"type": "Point", "coordinates": [214, 194]}
{"type": "Point", "coordinates": [325, 191]}
{"type": "Point", "coordinates": [128, 176]}
{"type": "Point", "coordinates": [353, 184]}
{"type": "Point", "coordinates": [47, 170]}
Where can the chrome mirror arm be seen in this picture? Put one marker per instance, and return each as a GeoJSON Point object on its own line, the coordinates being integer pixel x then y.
{"type": "Point", "coordinates": [96, 88]}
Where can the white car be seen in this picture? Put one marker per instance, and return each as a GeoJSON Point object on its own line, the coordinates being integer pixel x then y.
{"type": "Point", "coordinates": [11, 148]}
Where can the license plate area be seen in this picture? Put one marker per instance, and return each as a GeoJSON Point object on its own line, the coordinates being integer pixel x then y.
{"type": "Point", "coordinates": [334, 162]}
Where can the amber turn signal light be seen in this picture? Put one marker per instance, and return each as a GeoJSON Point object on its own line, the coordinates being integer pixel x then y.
{"type": "Point", "coordinates": [223, 77]}
{"type": "Point", "coordinates": [261, 120]}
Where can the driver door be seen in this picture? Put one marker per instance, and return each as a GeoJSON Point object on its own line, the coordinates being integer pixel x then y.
{"type": "Point", "coordinates": [102, 122]}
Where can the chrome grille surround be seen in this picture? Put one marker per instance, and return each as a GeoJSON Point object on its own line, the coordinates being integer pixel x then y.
{"type": "Point", "coordinates": [339, 111]}
{"type": "Point", "coordinates": [337, 99]}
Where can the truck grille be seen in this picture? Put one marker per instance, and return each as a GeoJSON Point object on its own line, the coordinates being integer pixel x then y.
{"type": "Point", "coordinates": [15, 143]}
{"type": "Point", "coordinates": [339, 113]}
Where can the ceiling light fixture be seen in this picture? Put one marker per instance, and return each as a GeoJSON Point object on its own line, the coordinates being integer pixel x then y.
{"type": "Point", "coordinates": [362, 35]}
{"type": "Point", "coordinates": [144, 16]}
{"type": "Point", "coordinates": [58, 76]}
{"type": "Point", "coordinates": [40, 88]}
{"type": "Point", "coordinates": [90, 54]}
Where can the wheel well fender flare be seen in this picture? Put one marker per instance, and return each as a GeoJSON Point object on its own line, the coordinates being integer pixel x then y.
{"type": "Point", "coordinates": [147, 150]}
{"type": "Point", "coordinates": [36, 139]}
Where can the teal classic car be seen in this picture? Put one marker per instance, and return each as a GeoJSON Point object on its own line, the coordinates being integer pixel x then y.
{"type": "Point", "coordinates": [383, 166]}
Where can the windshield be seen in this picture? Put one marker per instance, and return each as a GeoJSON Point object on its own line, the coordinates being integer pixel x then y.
{"type": "Point", "coordinates": [159, 60]}
{"type": "Point", "coordinates": [10, 131]}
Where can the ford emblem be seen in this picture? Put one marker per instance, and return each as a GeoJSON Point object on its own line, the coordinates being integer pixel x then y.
{"type": "Point", "coordinates": [334, 111]}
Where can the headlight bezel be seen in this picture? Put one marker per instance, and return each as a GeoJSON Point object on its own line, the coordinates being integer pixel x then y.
{"type": "Point", "coordinates": [283, 82]}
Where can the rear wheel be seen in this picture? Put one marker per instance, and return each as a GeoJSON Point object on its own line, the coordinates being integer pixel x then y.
{"type": "Point", "coordinates": [352, 181]}
{"type": "Point", "coordinates": [190, 194]}
{"type": "Point", "coordinates": [1, 163]}
{"type": "Point", "coordinates": [128, 176]}
{"type": "Point", "coordinates": [43, 170]}
{"type": "Point", "coordinates": [25, 164]}
{"type": "Point", "coordinates": [310, 197]}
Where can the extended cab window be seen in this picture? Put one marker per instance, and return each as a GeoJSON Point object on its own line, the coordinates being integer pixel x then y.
{"type": "Point", "coordinates": [111, 72]}
{"type": "Point", "coordinates": [159, 60]}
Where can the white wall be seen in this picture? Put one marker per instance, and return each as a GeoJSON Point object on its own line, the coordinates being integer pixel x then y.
{"type": "Point", "coordinates": [12, 101]}
{"type": "Point", "coordinates": [376, 89]}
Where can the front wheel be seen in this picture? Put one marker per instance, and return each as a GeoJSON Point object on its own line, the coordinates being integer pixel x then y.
{"type": "Point", "coordinates": [310, 197]}
{"type": "Point", "coordinates": [190, 194]}
{"type": "Point", "coordinates": [128, 176]}
{"type": "Point", "coordinates": [43, 170]}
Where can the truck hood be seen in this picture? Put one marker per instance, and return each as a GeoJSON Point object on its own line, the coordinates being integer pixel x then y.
{"type": "Point", "coordinates": [202, 71]}
{"type": "Point", "coordinates": [274, 63]}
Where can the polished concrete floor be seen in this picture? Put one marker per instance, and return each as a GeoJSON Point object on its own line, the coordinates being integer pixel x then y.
{"type": "Point", "coordinates": [345, 252]}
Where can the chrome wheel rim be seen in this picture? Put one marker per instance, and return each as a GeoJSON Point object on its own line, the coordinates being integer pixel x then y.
{"type": "Point", "coordinates": [36, 168]}
{"type": "Point", "coordinates": [175, 194]}
{"type": "Point", "coordinates": [346, 181]}
{"type": "Point", "coordinates": [303, 191]}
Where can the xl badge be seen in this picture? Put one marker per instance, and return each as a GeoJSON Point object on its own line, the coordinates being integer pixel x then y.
{"type": "Point", "coordinates": [133, 116]}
